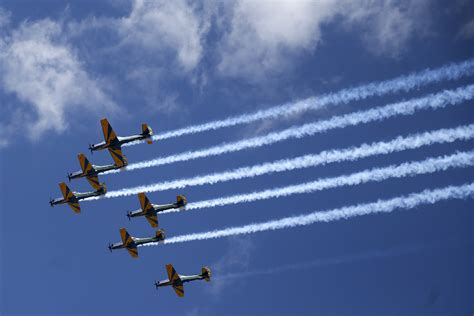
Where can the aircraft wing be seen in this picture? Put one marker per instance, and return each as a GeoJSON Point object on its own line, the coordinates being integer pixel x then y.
{"type": "Point", "coordinates": [69, 197]}
{"type": "Point", "coordinates": [109, 134]}
{"type": "Point", "coordinates": [152, 219]}
{"type": "Point", "coordinates": [94, 182]}
{"type": "Point", "coordinates": [75, 207]}
{"type": "Point", "coordinates": [176, 282]}
{"type": "Point", "coordinates": [172, 275]}
{"type": "Point", "coordinates": [85, 164]}
{"type": "Point", "coordinates": [128, 243]}
{"type": "Point", "coordinates": [148, 209]}
{"type": "Point", "coordinates": [118, 156]}
{"type": "Point", "coordinates": [144, 202]}
{"type": "Point", "coordinates": [126, 238]}
{"type": "Point", "coordinates": [133, 251]}
{"type": "Point", "coordinates": [179, 289]}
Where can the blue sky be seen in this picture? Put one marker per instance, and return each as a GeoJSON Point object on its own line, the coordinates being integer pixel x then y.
{"type": "Point", "coordinates": [66, 65]}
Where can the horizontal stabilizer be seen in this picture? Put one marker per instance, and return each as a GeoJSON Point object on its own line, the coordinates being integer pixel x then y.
{"type": "Point", "coordinates": [181, 200]}
{"type": "Point", "coordinates": [160, 234]}
{"type": "Point", "coordinates": [206, 273]}
{"type": "Point", "coordinates": [147, 131]}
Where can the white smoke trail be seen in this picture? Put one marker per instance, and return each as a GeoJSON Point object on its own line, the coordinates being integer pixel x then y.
{"type": "Point", "coordinates": [432, 101]}
{"type": "Point", "coordinates": [330, 156]}
{"type": "Point", "coordinates": [381, 206]}
{"type": "Point", "coordinates": [409, 169]}
{"type": "Point", "coordinates": [402, 83]}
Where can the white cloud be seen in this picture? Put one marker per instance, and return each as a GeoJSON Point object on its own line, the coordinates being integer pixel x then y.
{"type": "Point", "coordinates": [4, 18]}
{"type": "Point", "coordinates": [262, 33]}
{"type": "Point", "coordinates": [42, 70]}
{"type": "Point", "coordinates": [387, 26]}
{"type": "Point", "coordinates": [467, 31]}
{"type": "Point", "coordinates": [266, 36]}
{"type": "Point", "coordinates": [158, 26]}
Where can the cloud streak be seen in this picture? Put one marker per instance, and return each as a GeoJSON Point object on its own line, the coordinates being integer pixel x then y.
{"type": "Point", "coordinates": [403, 83]}
{"type": "Point", "coordinates": [406, 202]}
{"type": "Point", "coordinates": [329, 156]}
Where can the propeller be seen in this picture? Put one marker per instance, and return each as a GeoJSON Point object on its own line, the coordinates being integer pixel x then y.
{"type": "Point", "coordinates": [129, 216]}
{"type": "Point", "coordinates": [90, 148]}
{"type": "Point", "coordinates": [69, 176]}
{"type": "Point", "coordinates": [51, 201]}
{"type": "Point", "coordinates": [110, 247]}
{"type": "Point", "coordinates": [157, 284]}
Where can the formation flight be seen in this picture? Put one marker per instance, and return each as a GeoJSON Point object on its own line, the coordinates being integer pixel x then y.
{"type": "Point", "coordinates": [113, 142]}
{"type": "Point", "coordinates": [130, 243]}
{"type": "Point", "coordinates": [72, 198]}
{"type": "Point", "coordinates": [176, 281]}
{"type": "Point", "coordinates": [91, 171]}
{"type": "Point", "coordinates": [150, 210]}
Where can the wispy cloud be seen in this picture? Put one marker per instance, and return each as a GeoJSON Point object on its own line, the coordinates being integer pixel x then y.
{"type": "Point", "coordinates": [40, 68]}
{"type": "Point", "coordinates": [237, 257]}
{"type": "Point", "coordinates": [264, 37]}
{"type": "Point", "coordinates": [157, 26]}
{"type": "Point", "coordinates": [324, 262]}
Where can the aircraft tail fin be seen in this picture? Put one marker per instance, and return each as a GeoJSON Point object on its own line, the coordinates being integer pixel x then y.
{"type": "Point", "coordinates": [181, 200]}
{"type": "Point", "coordinates": [160, 234]}
{"type": "Point", "coordinates": [147, 131]}
{"type": "Point", "coordinates": [69, 197]}
{"type": "Point", "coordinates": [206, 273]}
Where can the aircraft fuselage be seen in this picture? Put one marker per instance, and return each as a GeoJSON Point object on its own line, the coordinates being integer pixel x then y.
{"type": "Point", "coordinates": [182, 279]}
{"type": "Point", "coordinates": [156, 209]}
{"type": "Point", "coordinates": [77, 197]}
{"type": "Point", "coordinates": [96, 170]}
{"type": "Point", "coordinates": [136, 241]}
{"type": "Point", "coordinates": [118, 142]}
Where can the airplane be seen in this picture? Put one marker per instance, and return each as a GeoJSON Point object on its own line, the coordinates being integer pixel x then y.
{"type": "Point", "coordinates": [150, 210]}
{"type": "Point", "coordinates": [176, 281]}
{"type": "Point", "coordinates": [130, 243]}
{"type": "Point", "coordinates": [113, 142]}
{"type": "Point", "coordinates": [73, 198]}
{"type": "Point", "coordinates": [91, 171]}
